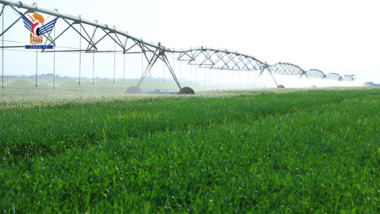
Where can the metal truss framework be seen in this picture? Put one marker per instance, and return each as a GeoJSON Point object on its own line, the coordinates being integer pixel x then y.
{"type": "Point", "coordinates": [334, 76]}
{"type": "Point", "coordinates": [286, 69]}
{"type": "Point", "coordinates": [221, 60]}
{"type": "Point", "coordinates": [315, 73]}
{"type": "Point", "coordinates": [282, 68]}
{"type": "Point", "coordinates": [127, 44]}
{"type": "Point", "coordinates": [348, 78]}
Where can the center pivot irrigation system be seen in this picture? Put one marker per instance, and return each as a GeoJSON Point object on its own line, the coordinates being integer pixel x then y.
{"type": "Point", "coordinates": [207, 58]}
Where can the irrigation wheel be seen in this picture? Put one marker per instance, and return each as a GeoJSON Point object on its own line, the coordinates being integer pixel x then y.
{"type": "Point", "coordinates": [133, 90]}
{"type": "Point", "coordinates": [186, 90]}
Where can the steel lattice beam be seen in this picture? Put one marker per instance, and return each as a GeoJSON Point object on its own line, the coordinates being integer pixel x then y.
{"type": "Point", "coordinates": [348, 78]}
{"type": "Point", "coordinates": [220, 59]}
{"type": "Point", "coordinates": [286, 69]}
{"type": "Point", "coordinates": [315, 73]}
{"type": "Point", "coordinates": [334, 76]}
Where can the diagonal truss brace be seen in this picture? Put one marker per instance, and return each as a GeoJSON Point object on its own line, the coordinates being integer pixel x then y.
{"type": "Point", "coordinates": [157, 54]}
{"type": "Point", "coordinates": [262, 71]}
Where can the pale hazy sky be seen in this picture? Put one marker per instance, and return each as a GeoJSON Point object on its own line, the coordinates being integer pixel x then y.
{"type": "Point", "coordinates": [341, 36]}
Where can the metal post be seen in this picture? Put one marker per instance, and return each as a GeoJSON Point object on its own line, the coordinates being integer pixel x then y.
{"type": "Point", "coordinates": [221, 79]}
{"type": "Point", "coordinates": [196, 73]}
{"type": "Point", "coordinates": [217, 79]}
{"type": "Point", "coordinates": [93, 61]}
{"type": "Point", "coordinates": [247, 79]}
{"type": "Point", "coordinates": [191, 72]}
{"type": "Point", "coordinates": [232, 78]}
{"type": "Point", "coordinates": [124, 68]}
{"type": "Point", "coordinates": [93, 67]}
{"type": "Point", "coordinates": [173, 61]}
{"type": "Point", "coordinates": [80, 52]}
{"type": "Point", "coordinates": [36, 68]}
{"type": "Point", "coordinates": [2, 52]}
{"type": "Point", "coordinates": [163, 72]}
{"type": "Point", "coordinates": [204, 69]}
{"type": "Point", "coordinates": [142, 62]}
{"type": "Point", "coordinates": [150, 72]}
{"type": "Point", "coordinates": [54, 63]}
{"type": "Point", "coordinates": [241, 76]}
{"type": "Point", "coordinates": [114, 61]}
{"type": "Point", "coordinates": [209, 77]}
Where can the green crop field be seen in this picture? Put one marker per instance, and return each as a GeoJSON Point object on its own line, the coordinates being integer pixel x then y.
{"type": "Point", "coordinates": [256, 151]}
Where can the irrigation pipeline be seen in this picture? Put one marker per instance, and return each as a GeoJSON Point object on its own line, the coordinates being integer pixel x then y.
{"type": "Point", "coordinates": [124, 43]}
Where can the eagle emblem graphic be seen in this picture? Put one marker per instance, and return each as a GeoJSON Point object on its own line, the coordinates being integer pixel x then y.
{"type": "Point", "coordinates": [35, 24]}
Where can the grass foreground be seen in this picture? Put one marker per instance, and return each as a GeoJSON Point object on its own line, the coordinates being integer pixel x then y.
{"type": "Point", "coordinates": [299, 151]}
